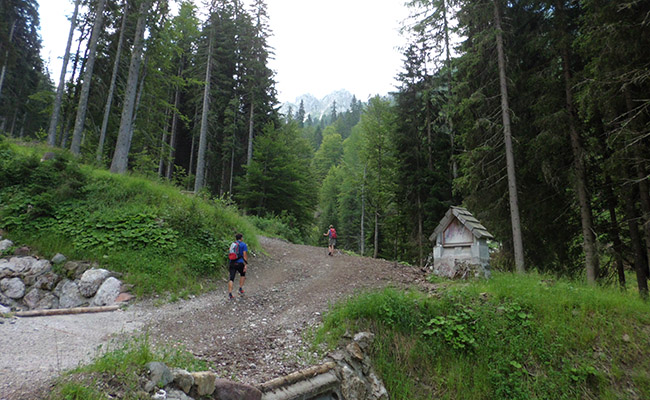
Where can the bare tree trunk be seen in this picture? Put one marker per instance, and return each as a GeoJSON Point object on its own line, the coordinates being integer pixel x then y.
{"type": "Point", "coordinates": [249, 157]}
{"type": "Point", "coordinates": [640, 261]}
{"type": "Point", "coordinates": [450, 122]}
{"type": "Point", "coordinates": [54, 120]}
{"type": "Point", "coordinates": [121, 156]}
{"type": "Point", "coordinates": [172, 139]}
{"type": "Point", "coordinates": [4, 66]}
{"type": "Point", "coordinates": [138, 98]}
{"type": "Point", "coordinates": [75, 145]}
{"type": "Point", "coordinates": [614, 232]}
{"type": "Point", "coordinates": [375, 252]}
{"type": "Point", "coordinates": [420, 232]}
{"type": "Point", "coordinates": [362, 241]}
{"type": "Point", "coordinates": [510, 159]}
{"type": "Point", "coordinates": [200, 158]}
{"type": "Point", "coordinates": [111, 88]}
{"type": "Point", "coordinates": [580, 180]}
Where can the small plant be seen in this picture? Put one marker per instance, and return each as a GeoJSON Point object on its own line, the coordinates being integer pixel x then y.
{"type": "Point", "coordinates": [457, 329]}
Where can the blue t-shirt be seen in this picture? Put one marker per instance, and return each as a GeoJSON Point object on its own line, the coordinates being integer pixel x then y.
{"type": "Point", "coordinates": [242, 248]}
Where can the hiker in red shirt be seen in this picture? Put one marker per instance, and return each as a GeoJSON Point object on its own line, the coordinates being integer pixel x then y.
{"type": "Point", "coordinates": [331, 234]}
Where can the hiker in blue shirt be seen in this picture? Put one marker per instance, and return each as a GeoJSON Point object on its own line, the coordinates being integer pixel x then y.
{"type": "Point", "coordinates": [238, 265]}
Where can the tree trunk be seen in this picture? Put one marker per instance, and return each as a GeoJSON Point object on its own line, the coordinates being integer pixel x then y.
{"type": "Point", "coordinates": [510, 159]}
{"type": "Point", "coordinates": [640, 261]}
{"type": "Point", "coordinates": [172, 139]}
{"type": "Point", "coordinates": [249, 157]}
{"type": "Point", "coordinates": [111, 88]}
{"type": "Point", "coordinates": [450, 122]}
{"type": "Point", "coordinates": [362, 240]}
{"type": "Point", "coordinates": [54, 120]}
{"type": "Point", "coordinates": [75, 145]}
{"type": "Point", "coordinates": [614, 232]}
{"type": "Point", "coordinates": [420, 233]}
{"type": "Point", "coordinates": [200, 158]}
{"type": "Point", "coordinates": [580, 180]}
{"type": "Point", "coordinates": [375, 252]}
{"type": "Point", "coordinates": [4, 66]}
{"type": "Point", "coordinates": [121, 155]}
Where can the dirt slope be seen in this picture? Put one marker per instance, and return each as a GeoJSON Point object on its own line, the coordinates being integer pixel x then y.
{"type": "Point", "coordinates": [252, 339]}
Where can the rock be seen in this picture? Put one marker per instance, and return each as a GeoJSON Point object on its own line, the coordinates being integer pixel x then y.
{"type": "Point", "coordinates": [70, 296]}
{"type": "Point", "coordinates": [75, 269]}
{"type": "Point", "coordinates": [364, 339]}
{"type": "Point", "coordinates": [5, 244]}
{"type": "Point", "coordinates": [352, 386]}
{"type": "Point", "coordinates": [47, 281]}
{"type": "Point", "coordinates": [58, 259]}
{"type": "Point", "coordinates": [183, 379]}
{"type": "Point", "coordinates": [91, 280]}
{"type": "Point", "coordinates": [159, 376]}
{"type": "Point", "coordinates": [355, 351]}
{"type": "Point", "coordinates": [32, 298]}
{"type": "Point", "coordinates": [14, 288]}
{"type": "Point", "coordinates": [22, 265]}
{"type": "Point", "coordinates": [124, 297]}
{"type": "Point", "coordinates": [4, 310]}
{"type": "Point", "coordinates": [107, 292]}
{"type": "Point", "coordinates": [174, 394]}
{"type": "Point", "coordinates": [204, 382]}
{"type": "Point", "coordinates": [229, 390]}
{"type": "Point", "coordinates": [22, 251]}
{"type": "Point", "coordinates": [40, 267]}
{"type": "Point", "coordinates": [47, 302]}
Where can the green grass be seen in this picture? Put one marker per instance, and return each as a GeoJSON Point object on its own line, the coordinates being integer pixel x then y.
{"type": "Point", "coordinates": [512, 337]}
{"type": "Point", "coordinates": [116, 370]}
{"type": "Point", "coordinates": [148, 230]}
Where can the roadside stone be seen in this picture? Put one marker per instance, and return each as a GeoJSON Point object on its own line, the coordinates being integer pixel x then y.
{"type": "Point", "coordinates": [174, 394]}
{"type": "Point", "coordinates": [183, 379]}
{"type": "Point", "coordinates": [5, 244]}
{"type": "Point", "coordinates": [47, 281]}
{"type": "Point", "coordinates": [204, 382]}
{"type": "Point", "coordinates": [159, 376]}
{"type": "Point", "coordinates": [22, 251]}
{"type": "Point", "coordinates": [4, 310]}
{"type": "Point", "coordinates": [91, 280]}
{"type": "Point", "coordinates": [70, 296]}
{"type": "Point", "coordinates": [32, 298]}
{"type": "Point", "coordinates": [229, 390]}
{"type": "Point", "coordinates": [39, 267]}
{"type": "Point", "coordinates": [22, 265]}
{"type": "Point", "coordinates": [124, 297]}
{"type": "Point", "coordinates": [14, 288]}
{"type": "Point", "coordinates": [58, 259]}
{"type": "Point", "coordinates": [47, 302]}
{"type": "Point", "coordinates": [107, 292]}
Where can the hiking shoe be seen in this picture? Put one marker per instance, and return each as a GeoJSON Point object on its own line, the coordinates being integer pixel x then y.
{"type": "Point", "coordinates": [241, 291]}
{"type": "Point", "coordinates": [230, 296]}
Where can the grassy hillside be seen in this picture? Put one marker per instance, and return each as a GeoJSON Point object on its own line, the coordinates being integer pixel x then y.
{"type": "Point", "coordinates": [161, 239]}
{"type": "Point", "coordinates": [513, 337]}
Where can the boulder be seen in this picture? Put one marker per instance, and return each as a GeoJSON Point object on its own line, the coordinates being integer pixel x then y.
{"type": "Point", "coordinates": [107, 292]}
{"type": "Point", "coordinates": [4, 310]}
{"type": "Point", "coordinates": [32, 298]}
{"type": "Point", "coordinates": [22, 251]}
{"type": "Point", "coordinates": [183, 379]}
{"type": "Point", "coordinates": [91, 280]}
{"type": "Point", "coordinates": [14, 288]}
{"type": "Point", "coordinates": [5, 244]}
{"type": "Point", "coordinates": [47, 281]}
{"type": "Point", "coordinates": [173, 394]}
{"type": "Point", "coordinates": [159, 375]}
{"type": "Point", "coordinates": [204, 382]}
{"type": "Point", "coordinates": [48, 301]}
{"type": "Point", "coordinates": [69, 295]}
{"type": "Point", "coordinates": [59, 259]}
{"type": "Point", "coordinates": [229, 390]}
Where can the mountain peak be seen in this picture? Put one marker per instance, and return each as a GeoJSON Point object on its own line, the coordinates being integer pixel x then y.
{"type": "Point", "coordinates": [319, 107]}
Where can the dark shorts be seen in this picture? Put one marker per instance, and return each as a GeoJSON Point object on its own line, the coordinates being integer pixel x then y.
{"type": "Point", "coordinates": [332, 242]}
{"type": "Point", "coordinates": [236, 267]}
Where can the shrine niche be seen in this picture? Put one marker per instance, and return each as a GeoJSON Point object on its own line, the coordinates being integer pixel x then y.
{"type": "Point", "coordinates": [460, 246]}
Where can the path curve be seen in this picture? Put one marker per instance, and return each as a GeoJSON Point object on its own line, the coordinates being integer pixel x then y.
{"type": "Point", "coordinates": [253, 339]}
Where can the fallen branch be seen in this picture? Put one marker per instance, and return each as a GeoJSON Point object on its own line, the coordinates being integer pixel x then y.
{"type": "Point", "coordinates": [64, 311]}
{"type": "Point", "coordinates": [296, 376]}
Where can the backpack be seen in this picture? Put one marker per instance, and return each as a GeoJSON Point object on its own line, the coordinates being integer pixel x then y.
{"type": "Point", "coordinates": [233, 252]}
{"type": "Point", "coordinates": [333, 233]}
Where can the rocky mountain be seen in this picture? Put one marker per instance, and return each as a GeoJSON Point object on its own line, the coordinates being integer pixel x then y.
{"type": "Point", "coordinates": [319, 107]}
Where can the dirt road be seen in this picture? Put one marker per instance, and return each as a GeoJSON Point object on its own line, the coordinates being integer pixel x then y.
{"type": "Point", "coordinates": [252, 338]}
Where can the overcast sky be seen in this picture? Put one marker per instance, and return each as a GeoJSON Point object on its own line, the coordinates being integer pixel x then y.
{"type": "Point", "coordinates": [320, 45]}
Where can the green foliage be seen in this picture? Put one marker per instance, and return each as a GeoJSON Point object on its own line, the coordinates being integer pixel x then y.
{"type": "Point", "coordinates": [154, 235]}
{"type": "Point", "coordinates": [124, 363]}
{"type": "Point", "coordinates": [530, 337]}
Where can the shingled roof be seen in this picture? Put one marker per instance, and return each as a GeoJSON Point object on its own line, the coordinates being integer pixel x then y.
{"type": "Point", "coordinates": [466, 218]}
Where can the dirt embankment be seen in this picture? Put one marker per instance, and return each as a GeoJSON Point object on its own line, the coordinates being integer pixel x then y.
{"type": "Point", "coordinates": [253, 338]}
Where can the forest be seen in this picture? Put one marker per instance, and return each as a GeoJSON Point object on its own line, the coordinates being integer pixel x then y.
{"type": "Point", "coordinates": [533, 114]}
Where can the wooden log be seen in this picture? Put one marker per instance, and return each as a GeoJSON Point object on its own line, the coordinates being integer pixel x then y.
{"type": "Point", "coordinates": [296, 376]}
{"type": "Point", "coordinates": [65, 311]}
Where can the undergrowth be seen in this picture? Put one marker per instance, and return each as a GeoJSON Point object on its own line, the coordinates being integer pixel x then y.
{"type": "Point", "coordinates": [512, 337]}
{"type": "Point", "coordinates": [117, 371]}
{"type": "Point", "coordinates": [160, 239]}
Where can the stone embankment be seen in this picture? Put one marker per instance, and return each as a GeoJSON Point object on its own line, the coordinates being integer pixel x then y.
{"type": "Point", "coordinates": [348, 374]}
{"type": "Point", "coordinates": [30, 283]}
